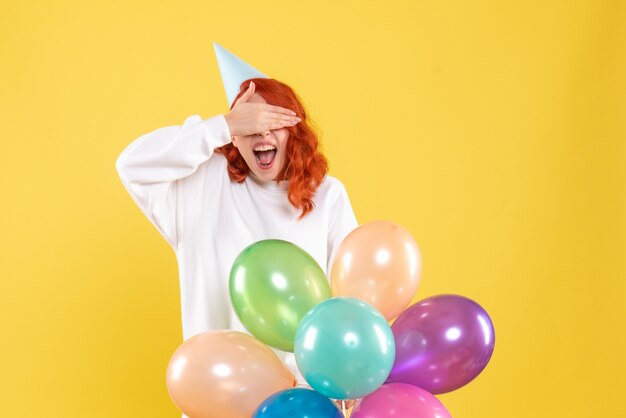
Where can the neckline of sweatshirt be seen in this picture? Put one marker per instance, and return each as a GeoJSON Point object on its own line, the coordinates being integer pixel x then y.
{"type": "Point", "coordinates": [270, 186]}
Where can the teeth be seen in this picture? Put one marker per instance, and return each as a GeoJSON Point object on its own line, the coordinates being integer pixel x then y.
{"type": "Point", "coordinates": [264, 147]}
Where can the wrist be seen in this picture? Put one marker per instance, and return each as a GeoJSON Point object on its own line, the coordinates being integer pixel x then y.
{"type": "Point", "coordinates": [228, 121]}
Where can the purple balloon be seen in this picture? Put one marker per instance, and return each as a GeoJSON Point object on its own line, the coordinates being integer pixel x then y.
{"type": "Point", "coordinates": [442, 343]}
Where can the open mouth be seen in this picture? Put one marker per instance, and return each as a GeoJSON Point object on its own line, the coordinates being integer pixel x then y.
{"type": "Point", "coordinates": [265, 159]}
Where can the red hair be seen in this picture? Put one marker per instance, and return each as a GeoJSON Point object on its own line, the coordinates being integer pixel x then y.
{"type": "Point", "coordinates": [305, 166]}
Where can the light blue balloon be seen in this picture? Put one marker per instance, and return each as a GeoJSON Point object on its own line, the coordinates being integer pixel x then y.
{"type": "Point", "coordinates": [344, 348]}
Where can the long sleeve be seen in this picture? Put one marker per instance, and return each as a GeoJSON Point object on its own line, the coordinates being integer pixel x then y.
{"type": "Point", "coordinates": [342, 222]}
{"type": "Point", "coordinates": [153, 166]}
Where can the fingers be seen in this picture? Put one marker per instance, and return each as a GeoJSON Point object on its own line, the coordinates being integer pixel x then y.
{"type": "Point", "coordinates": [279, 110]}
{"type": "Point", "coordinates": [285, 118]}
{"type": "Point", "coordinates": [280, 121]}
{"type": "Point", "coordinates": [278, 124]}
{"type": "Point", "coordinates": [247, 94]}
{"type": "Point", "coordinates": [277, 121]}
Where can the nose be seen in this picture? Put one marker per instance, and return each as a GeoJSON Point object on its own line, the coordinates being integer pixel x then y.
{"type": "Point", "coordinates": [264, 133]}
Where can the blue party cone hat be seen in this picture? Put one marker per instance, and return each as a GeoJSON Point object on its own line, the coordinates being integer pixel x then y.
{"type": "Point", "coordinates": [234, 71]}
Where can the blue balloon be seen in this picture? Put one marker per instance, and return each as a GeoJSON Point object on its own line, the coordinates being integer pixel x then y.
{"type": "Point", "coordinates": [297, 403]}
{"type": "Point", "coordinates": [344, 348]}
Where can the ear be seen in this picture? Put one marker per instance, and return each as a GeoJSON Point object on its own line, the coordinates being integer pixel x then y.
{"type": "Point", "coordinates": [233, 140]}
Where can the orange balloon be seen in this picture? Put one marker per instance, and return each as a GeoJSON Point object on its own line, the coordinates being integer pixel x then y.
{"type": "Point", "coordinates": [379, 263]}
{"type": "Point", "coordinates": [224, 374]}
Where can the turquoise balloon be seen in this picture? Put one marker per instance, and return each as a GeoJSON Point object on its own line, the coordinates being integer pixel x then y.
{"type": "Point", "coordinates": [344, 348]}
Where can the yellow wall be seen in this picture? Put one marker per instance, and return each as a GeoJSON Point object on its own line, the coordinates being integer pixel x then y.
{"type": "Point", "coordinates": [494, 131]}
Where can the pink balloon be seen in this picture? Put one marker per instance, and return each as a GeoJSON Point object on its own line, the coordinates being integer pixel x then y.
{"type": "Point", "coordinates": [399, 400]}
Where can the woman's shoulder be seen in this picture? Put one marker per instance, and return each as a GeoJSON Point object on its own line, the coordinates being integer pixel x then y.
{"type": "Point", "coordinates": [331, 188]}
{"type": "Point", "coordinates": [211, 172]}
{"type": "Point", "coordinates": [217, 162]}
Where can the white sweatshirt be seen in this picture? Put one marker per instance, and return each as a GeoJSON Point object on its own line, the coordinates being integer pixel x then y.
{"type": "Point", "coordinates": [183, 188]}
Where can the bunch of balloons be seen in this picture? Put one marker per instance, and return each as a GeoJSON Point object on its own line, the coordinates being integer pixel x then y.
{"type": "Point", "coordinates": [340, 335]}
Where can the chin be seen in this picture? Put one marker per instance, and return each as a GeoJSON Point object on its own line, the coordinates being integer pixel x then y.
{"type": "Point", "coordinates": [263, 176]}
{"type": "Point", "coordinates": [266, 175]}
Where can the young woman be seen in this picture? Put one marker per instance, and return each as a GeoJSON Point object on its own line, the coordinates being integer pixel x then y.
{"type": "Point", "coordinates": [214, 186]}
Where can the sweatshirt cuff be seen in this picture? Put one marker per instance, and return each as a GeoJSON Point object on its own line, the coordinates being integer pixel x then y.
{"type": "Point", "coordinates": [218, 127]}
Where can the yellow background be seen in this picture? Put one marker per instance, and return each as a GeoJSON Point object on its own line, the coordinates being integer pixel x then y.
{"type": "Point", "coordinates": [494, 131]}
